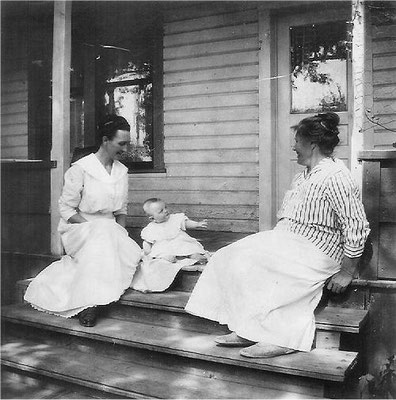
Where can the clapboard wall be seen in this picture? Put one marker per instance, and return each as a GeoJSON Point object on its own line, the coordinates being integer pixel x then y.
{"type": "Point", "coordinates": [384, 81]}
{"type": "Point", "coordinates": [14, 91]}
{"type": "Point", "coordinates": [210, 117]}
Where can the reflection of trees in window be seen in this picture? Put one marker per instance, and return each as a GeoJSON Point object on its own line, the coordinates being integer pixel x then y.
{"type": "Point", "coordinates": [129, 94]}
{"type": "Point", "coordinates": [318, 55]}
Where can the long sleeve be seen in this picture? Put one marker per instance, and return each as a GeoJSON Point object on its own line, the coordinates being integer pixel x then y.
{"type": "Point", "coordinates": [124, 208]}
{"type": "Point", "coordinates": [344, 198]}
{"type": "Point", "coordinates": [71, 193]}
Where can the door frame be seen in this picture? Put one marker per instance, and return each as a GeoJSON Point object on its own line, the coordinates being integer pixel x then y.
{"type": "Point", "coordinates": [270, 15]}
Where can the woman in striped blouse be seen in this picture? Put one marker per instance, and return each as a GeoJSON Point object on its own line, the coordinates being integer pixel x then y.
{"type": "Point", "coordinates": [266, 286]}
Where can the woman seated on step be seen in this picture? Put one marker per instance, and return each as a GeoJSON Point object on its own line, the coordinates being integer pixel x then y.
{"type": "Point", "coordinates": [100, 258]}
{"type": "Point", "coordinates": [266, 286]}
{"type": "Point", "coordinates": [167, 248]}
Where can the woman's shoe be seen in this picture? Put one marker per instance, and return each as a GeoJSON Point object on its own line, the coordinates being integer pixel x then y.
{"type": "Point", "coordinates": [88, 317]}
{"type": "Point", "coordinates": [232, 340]}
{"type": "Point", "coordinates": [264, 350]}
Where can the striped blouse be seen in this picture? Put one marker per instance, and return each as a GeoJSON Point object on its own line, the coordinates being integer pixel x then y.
{"type": "Point", "coordinates": [324, 206]}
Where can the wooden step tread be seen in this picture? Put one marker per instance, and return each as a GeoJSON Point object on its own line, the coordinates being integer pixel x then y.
{"type": "Point", "coordinates": [328, 318]}
{"type": "Point", "coordinates": [324, 364]}
{"type": "Point", "coordinates": [128, 379]}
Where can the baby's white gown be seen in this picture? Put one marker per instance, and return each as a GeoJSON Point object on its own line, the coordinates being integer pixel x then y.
{"type": "Point", "coordinates": [167, 238]}
{"type": "Point", "coordinates": [101, 258]}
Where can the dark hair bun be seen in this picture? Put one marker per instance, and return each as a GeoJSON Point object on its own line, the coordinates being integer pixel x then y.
{"type": "Point", "coordinates": [330, 121]}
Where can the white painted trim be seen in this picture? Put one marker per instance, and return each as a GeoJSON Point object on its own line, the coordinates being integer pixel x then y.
{"type": "Point", "coordinates": [361, 88]}
{"type": "Point", "coordinates": [267, 103]}
{"type": "Point", "coordinates": [60, 151]}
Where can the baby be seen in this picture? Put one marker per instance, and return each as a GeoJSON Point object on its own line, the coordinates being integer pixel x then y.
{"type": "Point", "coordinates": [167, 248]}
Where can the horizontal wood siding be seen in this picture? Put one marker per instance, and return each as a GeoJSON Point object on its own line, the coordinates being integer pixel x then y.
{"type": "Point", "coordinates": [14, 90]}
{"type": "Point", "coordinates": [384, 84]}
{"type": "Point", "coordinates": [210, 118]}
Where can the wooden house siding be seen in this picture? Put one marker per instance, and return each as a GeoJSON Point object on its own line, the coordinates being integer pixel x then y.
{"type": "Point", "coordinates": [384, 84]}
{"type": "Point", "coordinates": [14, 111]}
{"type": "Point", "coordinates": [210, 118]}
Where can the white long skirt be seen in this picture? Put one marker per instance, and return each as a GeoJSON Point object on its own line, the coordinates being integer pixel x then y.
{"type": "Point", "coordinates": [99, 266]}
{"type": "Point", "coordinates": [265, 287]}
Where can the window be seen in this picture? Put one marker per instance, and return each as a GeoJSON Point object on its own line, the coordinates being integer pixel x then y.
{"type": "Point", "coordinates": [319, 55]}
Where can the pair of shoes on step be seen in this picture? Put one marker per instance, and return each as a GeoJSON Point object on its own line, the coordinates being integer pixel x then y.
{"type": "Point", "coordinates": [252, 349]}
{"type": "Point", "coordinates": [88, 317]}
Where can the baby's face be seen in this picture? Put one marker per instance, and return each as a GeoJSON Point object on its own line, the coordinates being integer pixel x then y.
{"type": "Point", "coordinates": [158, 212]}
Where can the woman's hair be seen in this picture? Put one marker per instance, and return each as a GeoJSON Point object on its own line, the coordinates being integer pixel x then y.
{"type": "Point", "coordinates": [321, 129]}
{"type": "Point", "coordinates": [109, 125]}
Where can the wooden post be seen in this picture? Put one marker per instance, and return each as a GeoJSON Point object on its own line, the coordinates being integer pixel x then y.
{"type": "Point", "coordinates": [60, 151]}
{"type": "Point", "coordinates": [267, 198]}
{"type": "Point", "coordinates": [362, 87]}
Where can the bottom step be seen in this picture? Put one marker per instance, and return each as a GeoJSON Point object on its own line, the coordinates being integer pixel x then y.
{"type": "Point", "coordinates": [126, 379]}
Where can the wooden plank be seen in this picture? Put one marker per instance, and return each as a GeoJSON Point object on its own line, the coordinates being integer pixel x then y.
{"type": "Point", "coordinates": [191, 11]}
{"type": "Point", "coordinates": [319, 363]}
{"type": "Point", "coordinates": [8, 87]}
{"type": "Point", "coordinates": [236, 142]}
{"type": "Point", "coordinates": [14, 97]}
{"type": "Point", "coordinates": [384, 62]}
{"type": "Point", "coordinates": [212, 128]}
{"type": "Point", "coordinates": [209, 170]}
{"type": "Point", "coordinates": [15, 118]}
{"type": "Point", "coordinates": [212, 156]}
{"type": "Point", "coordinates": [199, 89]}
{"type": "Point", "coordinates": [12, 108]}
{"type": "Point", "coordinates": [384, 76]}
{"type": "Point", "coordinates": [14, 130]}
{"type": "Point", "coordinates": [212, 100]}
{"type": "Point", "coordinates": [221, 225]}
{"type": "Point", "coordinates": [384, 45]}
{"type": "Point", "coordinates": [15, 152]}
{"type": "Point", "coordinates": [203, 211]}
{"type": "Point", "coordinates": [211, 61]}
{"type": "Point", "coordinates": [141, 183]}
{"type": "Point", "coordinates": [186, 369]}
{"type": "Point", "coordinates": [383, 31]}
{"type": "Point", "coordinates": [387, 251]}
{"type": "Point", "coordinates": [385, 107]}
{"type": "Point", "coordinates": [12, 141]}
{"type": "Point", "coordinates": [211, 115]}
{"type": "Point", "coordinates": [195, 197]}
{"type": "Point", "coordinates": [384, 91]}
{"type": "Point", "coordinates": [218, 74]}
{"type": "Point", "coordinates": [210, 22]}
{"type": "Point", "coordinates": [202, 49]}
{"type": "Point", "coordinates": [370, 196]}
{"type": "Point", "coordinates": [327, 340]}
{"type": "Point", "coordinates": [211, 35]}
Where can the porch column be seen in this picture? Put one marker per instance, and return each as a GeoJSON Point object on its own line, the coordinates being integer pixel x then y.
{"type": "Point", "coordinates": [60, 151]}
{"type": "Point", "coordinates": [362, 134]}
{"type": "Point", "coordinates": [267, 90]}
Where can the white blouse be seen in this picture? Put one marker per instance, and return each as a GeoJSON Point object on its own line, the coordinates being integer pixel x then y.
{"type": "Point", "coordinates": [90, 189]}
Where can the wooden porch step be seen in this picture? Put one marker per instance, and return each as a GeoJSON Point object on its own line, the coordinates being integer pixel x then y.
{"type": "Point", "coordinates": [128, 379]}
{"type": "Point", "coordinates": [329, 318]}
{"type": "Point", "coordinates": [323, 364]}
{"type": "Point", "coordinates": [336, 319]}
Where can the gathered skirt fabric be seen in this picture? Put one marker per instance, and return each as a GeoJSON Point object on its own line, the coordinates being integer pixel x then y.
{"type": "Point", "coordinates": [265, 287]}
{"type": "Point", "coordinates": [99, 266]}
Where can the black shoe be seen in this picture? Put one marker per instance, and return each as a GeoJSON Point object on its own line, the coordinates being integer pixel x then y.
{"type": "Point", "coordinates": [88, 317]}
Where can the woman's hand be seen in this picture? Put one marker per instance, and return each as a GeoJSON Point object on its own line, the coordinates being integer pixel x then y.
{"type": "Point", "coordinates": [76, 219]}
{"type": "Point", "coordinates": [339, 281]}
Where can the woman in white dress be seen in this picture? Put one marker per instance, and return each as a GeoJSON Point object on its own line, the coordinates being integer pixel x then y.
{"type": "Point", "coordinates": [266, 286]}
{"type": "Point", "coordinates": [100, 258]}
